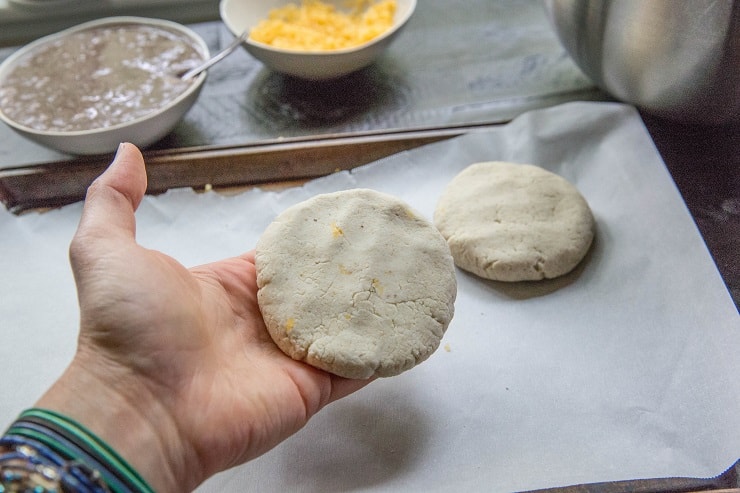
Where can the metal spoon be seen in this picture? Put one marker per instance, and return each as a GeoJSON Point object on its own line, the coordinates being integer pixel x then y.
{"type": "Point", "coordinates": [189, 74]}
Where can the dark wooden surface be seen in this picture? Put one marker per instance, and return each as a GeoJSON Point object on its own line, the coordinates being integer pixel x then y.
{"type": "Point", "coordinates": [705, 164]}
{"type": "Point", "coordinates": [727, 482]}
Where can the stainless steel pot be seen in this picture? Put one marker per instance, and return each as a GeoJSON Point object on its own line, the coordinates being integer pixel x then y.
{"type": "Point", "coordinates": [676, 59]}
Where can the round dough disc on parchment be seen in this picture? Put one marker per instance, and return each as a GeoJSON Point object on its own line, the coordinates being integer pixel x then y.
{"type": "Point", "coordinates": [355, 283]}
{"type": "Point", "coordinates": [514, 222]}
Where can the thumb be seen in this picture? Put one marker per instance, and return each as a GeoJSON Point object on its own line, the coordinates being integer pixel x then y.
{"type": "Point", "coordinates": [115, 195]}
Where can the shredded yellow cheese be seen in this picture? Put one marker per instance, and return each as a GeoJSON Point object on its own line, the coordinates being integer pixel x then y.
{"type": "Point", "coordinates": [317, 26]}
{"type": "Point", "coordinates": [376, 287]}
{"type": "Point", "coordinates": [336, 231]}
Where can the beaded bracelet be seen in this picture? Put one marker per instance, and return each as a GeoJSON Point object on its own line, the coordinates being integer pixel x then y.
{"type": "Point", "coordinates": [45, 446]}
{"type": "Point", "coordinates": [26, 465]}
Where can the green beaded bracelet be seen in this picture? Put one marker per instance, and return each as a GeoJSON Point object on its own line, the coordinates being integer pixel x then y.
{"type": "Point", "coordinates": [75, 442]}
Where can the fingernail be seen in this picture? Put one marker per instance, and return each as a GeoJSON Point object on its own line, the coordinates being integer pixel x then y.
{"type": "Point", "coordinates": [119, 151]}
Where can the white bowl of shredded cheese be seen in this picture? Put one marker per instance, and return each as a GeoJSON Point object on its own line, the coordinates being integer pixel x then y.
{"type": "Point", "coordinates": [316, 39]}
{"type": "Point", "coordinates": [86, 89]}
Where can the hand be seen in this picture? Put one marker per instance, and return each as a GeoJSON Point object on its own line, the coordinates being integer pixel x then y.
{"type": "Point", "coordinates": [174, 366]}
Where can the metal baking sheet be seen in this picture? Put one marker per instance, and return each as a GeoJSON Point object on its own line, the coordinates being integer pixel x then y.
{"type": "Point", "coordinates": [456, 63]}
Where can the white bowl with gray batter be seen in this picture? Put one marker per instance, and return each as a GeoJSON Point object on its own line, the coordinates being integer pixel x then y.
{"type": "Point", "coordinates": [86, 89]}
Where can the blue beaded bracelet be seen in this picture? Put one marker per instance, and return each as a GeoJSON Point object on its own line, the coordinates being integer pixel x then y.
{"type": "Point", "coordinates": [30, 466]}
{"type": "Point", "coordinates": [42, 441]}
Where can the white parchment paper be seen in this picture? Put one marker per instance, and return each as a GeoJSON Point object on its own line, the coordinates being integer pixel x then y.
{"type": "Point", "coordinates": [626, 368]}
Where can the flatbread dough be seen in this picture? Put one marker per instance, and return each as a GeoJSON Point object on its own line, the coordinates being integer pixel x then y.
{"type": "Point", "coordinates": [514, 222]}
{"type": "Point", "coordinates": [355, 283]}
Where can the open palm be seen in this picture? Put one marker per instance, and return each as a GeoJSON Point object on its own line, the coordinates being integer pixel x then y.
{"type": "Point", "coordinates": [189, 343]}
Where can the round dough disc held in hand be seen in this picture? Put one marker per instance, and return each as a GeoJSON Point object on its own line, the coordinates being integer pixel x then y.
{"type": "Point", "coordinates": [355, 283]}
{"type": "Point", "coordinates": [514, 222]}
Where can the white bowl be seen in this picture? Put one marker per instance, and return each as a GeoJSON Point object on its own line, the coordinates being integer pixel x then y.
{"type": "Point", "coordinates": [141, 131]}
{"type": "Point", "coordinates": [239, 15]}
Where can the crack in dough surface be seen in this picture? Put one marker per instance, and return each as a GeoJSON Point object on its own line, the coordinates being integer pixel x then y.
{"type": "Point", "coordinates": [355, 283]}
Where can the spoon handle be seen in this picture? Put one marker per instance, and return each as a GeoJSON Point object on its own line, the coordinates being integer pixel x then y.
{"type": "Point", "coordinates": [216, 58]}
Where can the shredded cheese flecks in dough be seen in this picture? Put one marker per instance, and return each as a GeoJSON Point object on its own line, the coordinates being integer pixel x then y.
{"type": "Point", "coordinates": [377, 287]}
{"type": "Point", "coordinates": [316, 26]}
{"type": "Point", "coordinates": [409, 213]}
{"type": "Point", "coordinates": [371, 323]}
{"type": "Point", "coordinates": [336, 231]}
{"type": "Point", "coordinates": [289, 324]}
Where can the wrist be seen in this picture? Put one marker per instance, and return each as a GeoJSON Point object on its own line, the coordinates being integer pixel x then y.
{"type": "Point", "coordinates": [50, 452]}
{"type": "Point", "coordinates": [127, 417]}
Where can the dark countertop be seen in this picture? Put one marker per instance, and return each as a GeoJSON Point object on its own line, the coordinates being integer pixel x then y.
{"type": "Point", "coordinates": [705, 164]}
